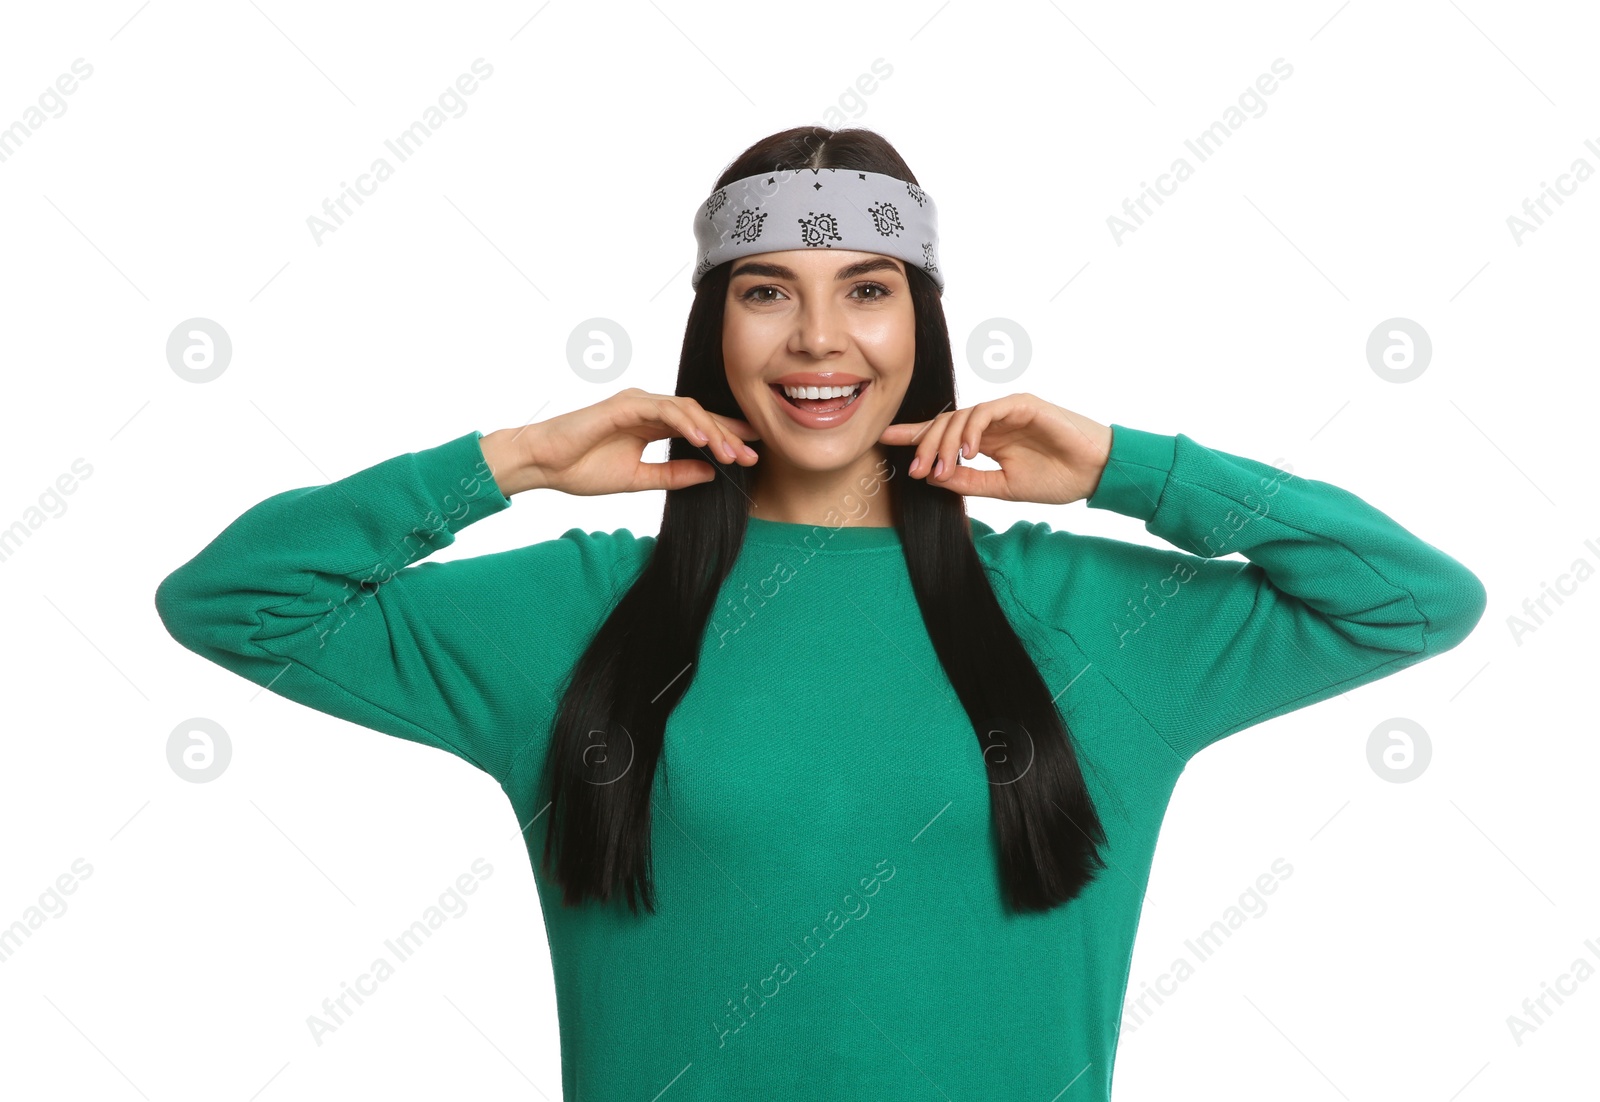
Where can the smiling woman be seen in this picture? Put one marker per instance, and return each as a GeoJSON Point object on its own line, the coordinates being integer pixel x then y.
{"type": "Point", "coordinates": [896, 686]}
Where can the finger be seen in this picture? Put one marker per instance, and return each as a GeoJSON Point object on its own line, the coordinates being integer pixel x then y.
{"type": "Point", "coordinates": [905, 432]}
{"type": "Point", "coordinates": [739, 425]}
{"type": "Point", "coordinates": [983, 414]}
{"type": "Point", "coordinates": [928, 447]}
{"type": "Point", "coordinates": [705, 429]}
{"type": "Point", "coordinates": [974, 482]}
{"type": "Point", "coordinates": [674, 474]}
{"type": "Point", "coordinates": [655, 417]}
{"type": "Point", "coordinates": [682, 420]}
{"type": "Point", "coordinates": [731, 439]}
{"type": "Point", "coordinates": [639, 414]}
{"type": "Point", "coordinates": [908, 432]}
{"type": "Point", "coordinates": [721, 443]}
{"type": "Point", "coordinates": [718, 432]}
{"type": "Point", "coordinates": [735, 430]}
{"type": "Point", "coordinates": [950, 441]}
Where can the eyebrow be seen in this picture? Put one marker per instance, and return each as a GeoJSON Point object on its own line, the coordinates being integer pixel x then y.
{"type": "Point", "coordinates": [779, 271]}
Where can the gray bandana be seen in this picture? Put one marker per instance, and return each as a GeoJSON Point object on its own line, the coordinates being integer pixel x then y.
{"type": "Point", "coordinates": [812, 208]}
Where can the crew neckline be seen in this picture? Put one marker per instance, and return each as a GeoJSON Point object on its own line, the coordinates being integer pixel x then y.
{"type": "Point", "coordinates": [820, 537]}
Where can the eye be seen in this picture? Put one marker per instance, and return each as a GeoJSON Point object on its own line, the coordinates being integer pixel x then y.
{"type": "Point", "coordinates": [754, 294]}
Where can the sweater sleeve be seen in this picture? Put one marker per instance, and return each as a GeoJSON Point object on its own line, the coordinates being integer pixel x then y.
{"type": "Point", "coordinates": [1333, 593]}
{"type": "Point", "coordinates": [311, 593]}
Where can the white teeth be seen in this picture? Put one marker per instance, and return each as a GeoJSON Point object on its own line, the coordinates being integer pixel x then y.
{"type": "Point", "coordinates": [821, 391]}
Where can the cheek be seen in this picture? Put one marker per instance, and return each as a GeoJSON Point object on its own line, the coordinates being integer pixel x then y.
{"type": "Point", "coordinates": [744, 352]}
{"type": "Point", "coordinates": [890, 347]}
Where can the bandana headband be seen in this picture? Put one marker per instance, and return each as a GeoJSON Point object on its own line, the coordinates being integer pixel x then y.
{"type": "Point", "coordinates": [810, 208]}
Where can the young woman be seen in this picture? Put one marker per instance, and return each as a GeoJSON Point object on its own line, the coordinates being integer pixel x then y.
{"type": "Point", "coordinates": [830, 790]}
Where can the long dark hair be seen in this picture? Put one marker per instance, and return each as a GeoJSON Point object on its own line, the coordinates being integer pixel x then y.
{"type": "Point", "coordinates": [642, 659]}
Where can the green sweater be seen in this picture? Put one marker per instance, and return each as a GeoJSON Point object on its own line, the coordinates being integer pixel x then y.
{"type": "Point", "coordinates": [830, 923]}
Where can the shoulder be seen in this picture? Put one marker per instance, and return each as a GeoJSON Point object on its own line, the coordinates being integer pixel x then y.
{"type": "Point", "coordinates": [1030, 544]}
{"type": "Point", "coordinates": [1060, 574]}
{"type": "Point", "coordinates": [1023, 543]}
{"type": "Point", "coordinates": [1025, 557]}
{"type": "Point", "coordinates": [619, 554]}
{"type": "Point", "coordinates": [617, 542]}
{"type": "Point", "coordinates": [576, 566]}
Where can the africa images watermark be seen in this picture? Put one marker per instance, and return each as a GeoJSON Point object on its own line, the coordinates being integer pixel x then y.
{"type": "Point", "coordinates": [50, 506]}
{"type": "Point", "coordinates": [1137, 615]}
{"type": "Point", "coordinates": [740, 1013]}
{"type": "Point", "coordinates": [739, 606]}
{"type": "Point", "coordinates": [1566, 584]}
{"type": "Point", "coordinates": [1203, 147]}
{"type": "Point", "coordinates": [418, 542]}
{"type": "Point", "coordinates": [52, 105]}
{"type": "Point", "coordinates": [50, 905]}
{"type": "Point", "coordinates": [1537, 1011]}
{"type": "Point", "coordinates": [402, 947]}
{"type": "Point", "coordinates": [402, 146]}
{"type": "Point", "coordinates": [852, 103]}
{"type": "Point", "coordinates": [1578, 172]}
{"type": "Point", "coordinates": [1138, 1009]}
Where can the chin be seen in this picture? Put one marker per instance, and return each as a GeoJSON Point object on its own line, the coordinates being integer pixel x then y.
{"type": "Point", "coordinates": [817, 455]}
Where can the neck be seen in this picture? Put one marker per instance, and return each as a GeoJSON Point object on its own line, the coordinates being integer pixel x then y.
{"type": "Point", "coordinates": [857, 495]}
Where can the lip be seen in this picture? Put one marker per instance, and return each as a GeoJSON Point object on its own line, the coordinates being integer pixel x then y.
{"type": "Point", "coordinates": [810, 420]}
{"type": "Point", "coordinates": [817, 378]}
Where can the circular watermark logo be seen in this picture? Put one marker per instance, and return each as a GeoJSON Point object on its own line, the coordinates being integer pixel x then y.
{"type": "Point", "coordinates": [600, 766]}
{"type": "Point", "coordinates": [999, 350]}
{"type": "Point", "coordinates": [598, 350]}
{"type": "Point", "coordinates": [1399, 750]}
{"type": "Point", "coordinates": [1008, 750]}
{"type": "Point", "coordinates": [1398, 350]}
{"type": "Point", "coordinates": [199, 750]}
{"type": "Point", "coordinates": [198, 350]}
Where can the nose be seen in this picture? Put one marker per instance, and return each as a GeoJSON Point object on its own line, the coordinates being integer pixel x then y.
{"type": "Point", "coordinates": [819, 327]}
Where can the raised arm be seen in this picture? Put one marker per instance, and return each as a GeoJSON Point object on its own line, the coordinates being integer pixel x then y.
{"type": "Point", "coordinates": [313, 592]}
{"type": "Point", "coordinates": [319, 594]}
{"type": "Point", "coordinates": [1334, 593]}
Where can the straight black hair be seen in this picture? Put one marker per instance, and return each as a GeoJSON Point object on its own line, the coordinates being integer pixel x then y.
{"type": "Point", "coordinates": [641, 660]}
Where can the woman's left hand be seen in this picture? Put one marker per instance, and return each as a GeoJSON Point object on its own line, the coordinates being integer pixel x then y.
{"type": "Point", "coordinates": [1046, 454]}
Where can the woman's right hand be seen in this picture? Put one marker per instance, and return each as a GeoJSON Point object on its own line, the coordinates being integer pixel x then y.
{"type": "Point", "coordinates": [599, 449]}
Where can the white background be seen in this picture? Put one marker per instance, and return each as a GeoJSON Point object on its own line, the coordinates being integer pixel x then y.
{"type": "Point", "coordinates": [1377, 184]}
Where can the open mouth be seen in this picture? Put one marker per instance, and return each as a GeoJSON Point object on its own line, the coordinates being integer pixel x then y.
{"type": "Point", "coordinates": [828, 400]}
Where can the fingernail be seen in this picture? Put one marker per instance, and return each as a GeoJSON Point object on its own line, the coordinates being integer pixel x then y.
{"type": "Point", "coordinates": [748, 450]}
{"type": "Point", "coordinates": [938, 467]}
{"type": "Point", "coordinates": [915, 464]}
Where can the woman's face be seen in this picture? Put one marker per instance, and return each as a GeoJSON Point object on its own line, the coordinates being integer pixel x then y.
{"type": "Point", "coordinates": [818, 317]}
